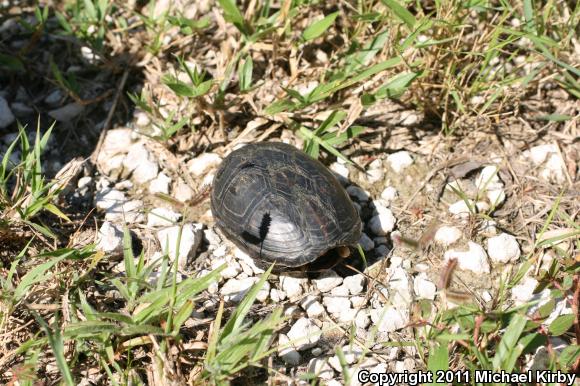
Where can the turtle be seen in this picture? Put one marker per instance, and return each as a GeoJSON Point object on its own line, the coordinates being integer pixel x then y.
{"type": "Point", "coordinates": [279, 205]}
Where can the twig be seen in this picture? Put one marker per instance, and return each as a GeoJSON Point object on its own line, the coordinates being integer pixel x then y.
{"type": "Point", "coordinates": [97, 150]}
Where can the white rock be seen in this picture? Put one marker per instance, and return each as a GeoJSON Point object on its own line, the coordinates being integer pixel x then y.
{"type": "Point", "coordinates": [159, 217]}
{"type": "Point", "coordinates": [554, 165]}
{"type": "Point", "coordinates": [389, 319]}
{"type": "Point", "coordinates": [354, 283]}
{"type": "Point", "coordinates": [234, 290]}
{"type": "Point", "coordinates": [320, 368]}
{"type": "Point", "coordinates": [488, 178]}
{"type": "Point", "coordinates": [333, 382]}
{"type": "Point", "coordinates": [424, 288]}
{"type": "Point", "coordinates": [276, 295]}
{"type": "Point", "coordinates": [67, 112]}
{"type": "Point", "coordinates": [389, 194]}
{"type": "Point", "coordinates": [447, 235]}
{"type": "Point", "coordinates": [232, 269]}
{"type": "Point", "coordinates": [109, 198]}
{"type": "Point", "coordinates": [335, 304]}
{"type": "Point", "coordinates": [304, 334]}
{"type": "Point", "coordinates": [110, 238]}
{"type": "Point", "coordinates": [366, 242]}
{"type": "Point", "coordinates": [211, 237]}
{"type": "Point", "coordinates": [6, 116]}
{"type": "Point", "coordinates": [524, 291]}
{"type": "Point", "coordinates": [264, 292]}
{"type": "Point", "coordinates": [19, 109]}
{"type": "Point", "coordinates": [375, 175]}
{"type": "Point", "coordinates": [292, 286]}
{"type": "Point", "coordinates": [539, 154]}
{"type": "Point", "coordinates": [341, 171]}
{"type": "Point", "coordinates": [461, 209]}
{"type": "Point", "coordinates": [287, 352]}
{"type": "Point", "coordinates": [347, 315]}
{"type": "Point", "coordinates": [220, 251]}
{"type": "Point", "coordinates": [400, 160]}
{"type": "Point", "coordinates": [191, 237]}
{"type": "Point", "coordinates": [359, 193]}
{"type": "Point", "coordinates": [503, 248]}
{"type": "Point", "coordinates": [160, 184]}
{"type": "Point", "coordinates": [475, 259]}
{"type": "Point", "coordinates": [203, 163]}
{"type": "Point", "coordinates": [341, 290]}
{"type": "Point", "coordinates": [327, 281]}
{"type": "Point", "coordinates": [243, 256]}
{"type": "Point", "coordinates": [84, 182]}
{"type": "Point", "coordinates": [139, 163]}
{"type": "Point", "coordinates": [312, 306]}
{"type": "Point", "coordinates": [182, 192]}
{"type": "Point", "coordinates": [362, 319]}
{"type": "Point", "coordinates": [399, 288]}
{"type": "Point", "coordinates": [486, 296]}
{"type": "Point", "coordinates": [383, 222]}
{"type": "Point", "coordinates": [358, 301]}
{"type": "Point", "coordinates": [496, 196]}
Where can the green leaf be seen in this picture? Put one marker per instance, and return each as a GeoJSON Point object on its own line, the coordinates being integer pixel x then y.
{"type": "Point", "coordinates": [319, 27]}
{"type": "Point", "coordinates": [569, 355]}
{"type": "Point", "coordinates": [54, 210]}
{"type": "Point", "coordinates": [438, 358]}
{"type": "Point", "coordinates": [280, 106]}
{"type": "Point", "coordinates": [245, 71]}
{"type": "Point", "coordinates": [243, 308]}
{"type": "Point", "coordinates": [56, 342]}
{"type": "Point", "coordinates": [233, 15]}
{"type": "Point", "coordinates": [561, 324]}
{"type": "Point", "coordinates": [35, 275]}
{"type": "Point", "coordinates": [555, 117]}
{"type": "Point", "coordinates": [396, 86]}
{"type": "Point", "coordinates": [401, 12]}
{"type": "Point", "coordinates": [503, 359]}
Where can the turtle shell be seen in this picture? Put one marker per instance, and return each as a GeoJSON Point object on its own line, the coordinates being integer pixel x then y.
{"type": "Point", "coordinates": [281, 206]}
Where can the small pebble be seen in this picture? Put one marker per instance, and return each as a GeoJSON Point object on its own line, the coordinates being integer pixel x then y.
{"type": "Point", "coordinates": [304, 334]}
{"type": "Point", "coordinates": [447, 235]}
{"type": "Point", "coordinates": [234, 290]}
{"type": "Point", "coordinates": [399, 161]}
{"type": "Point", "coordinates": [503, 248]}
{"type": "Point", "coordinates": [475, 259]}
{"type": "Point", "coordinates": [389, 194]}
{"type": "Point", "coordinates": [327, 281]}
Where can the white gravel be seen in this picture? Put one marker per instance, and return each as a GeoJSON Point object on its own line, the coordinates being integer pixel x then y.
{"type": "Point", "coordinates": [383, 222]}
{"type": "Point", "coordinates": [424, 288]}
{"type": "Point", "coordinates": [320, 368]}
{"type": "Point", "coordinates": [354, 283]}
{"type": "Point", "coordinates": [292, 286]}
{"type": "Point", "coordinates": [234, 290]}
{"type": "Point", "coordinates": [159, 217]}
{"type": "Point", "coordinates": [189, 241]}
{"type": "Point", "coordinates": [400, 160]}
{"type": "Point", "coordinates": [160, 184]}
{"type": "Point", "coordinates": [140, 164]}
{"type": "Point", "coordinates": [304, 334]}
{"type": "Point", "coordinates": [110, 238]}
{"type": "Point", "coordinates": [474, 259]}
{"type": "Point", "coordinates": [503, 248]}
{"type": "Point", "coordinates": [389, 194]}
{"type": "Point", "coordinates": [327, 281]}
{"type": "Point", "coordinates": [389, 318]}
{"type": "Point", "coordinates": [447, 235]}
{"type": "Point", "coordinates": [312, 306]}
{"type": "Point", "coordinates": [203, 163]}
